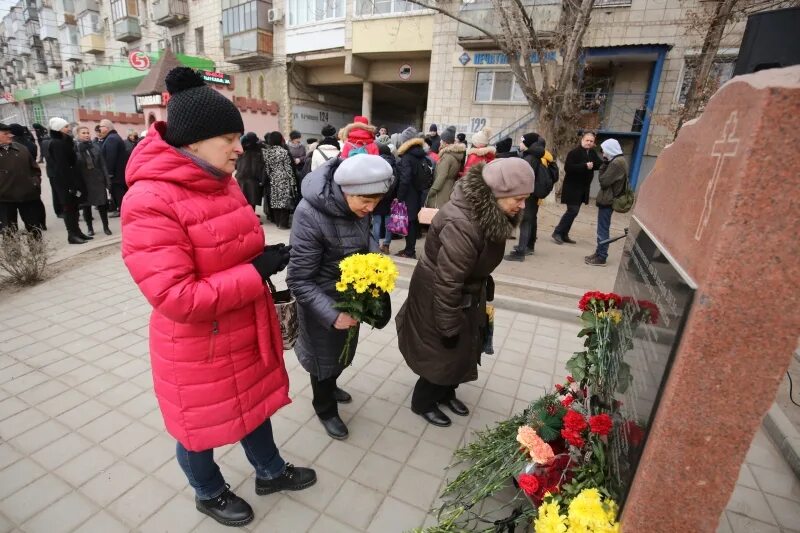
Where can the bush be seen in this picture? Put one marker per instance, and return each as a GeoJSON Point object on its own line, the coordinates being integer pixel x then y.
{"type": "Point", "coordinates": [24, 256]}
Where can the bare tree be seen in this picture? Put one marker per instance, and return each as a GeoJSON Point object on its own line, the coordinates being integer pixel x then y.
{"type": "Point", "coordinates": [551, 87]}
{"type": "Point", "coordinates": [713, 25]}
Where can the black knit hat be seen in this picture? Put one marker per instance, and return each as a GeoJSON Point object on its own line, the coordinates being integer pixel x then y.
{"type": "Point", "coordinates": [328, 131]}
{"type": "Point", "coordinates": [529, 138]}
{"type": "Point", "coordinates": [195, 111]}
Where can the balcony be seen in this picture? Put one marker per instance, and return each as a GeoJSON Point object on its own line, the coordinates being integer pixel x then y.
{"type": "Point", "coordinates": [82, 6]}
{"type": "Point", "coordinates": [29, 11]}
{"type": "Point", "coordinates": [170, 13]}
{"type": "Point", "coordinates": [483, 14]}
{"type": "Point", "coordinates": [248, 49]}
{"type": "Point", "coordinates": [93, 43]}
{"type": "Point", "coordinates": [127, 29]}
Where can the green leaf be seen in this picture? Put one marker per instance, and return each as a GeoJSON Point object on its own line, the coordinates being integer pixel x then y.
{"type": "Point", "coordinates": [577, 366]}
{"type": "Point", "coordinates": [624, 377]}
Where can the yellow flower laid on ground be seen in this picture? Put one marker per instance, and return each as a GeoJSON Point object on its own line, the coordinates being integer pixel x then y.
{"type": "Point", "coordinates": [588, 512]}
{"type": "Point", "coordinates": [364, 288]}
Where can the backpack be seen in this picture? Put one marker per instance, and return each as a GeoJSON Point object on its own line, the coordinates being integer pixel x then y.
{"type": "Point", "coordinates": [545, 180]}
{"type": "Point", "coordinates": [424, 178]}
{"type": "Point", "coordinates": [624, 202]}
{"type": "Point", "coordinates": [356, 149]}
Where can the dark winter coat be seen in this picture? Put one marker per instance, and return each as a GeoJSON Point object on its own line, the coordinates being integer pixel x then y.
{"type": "Point", "coordinates": [324, 232]}
{"type": "Point", "coordinates": [435, 142]}
{"type": "Point", "coordinates": [410, 156]}
{"type": "Point", "coordinates": [384, 207]}
{"type": "Point", "coordinates": [115, 155]}
{"type": "Point", "coordinates": [29, 144]}
{"type": "Point", "coordinates": [61, 157]}
{"type": "Point", "coordinates": [447, 294]}
{"type": "Point", "coordinates": [578, 178]}
{"type": "Point", "coordinates": [20, 177]}
{"type": "Point", "coordinates": [250, 174]}
{"type": "Point", "coordinates": [613, 175]}
{"type": "Point", "coordinates": [93, 171]}
{"type": "Point", "coordinates": [279, 174]}
{"type": "Point", "coordinates": [130, 145]}
{"type": "Point", "coordinates": [451, 160]}
{"type": "Point", "coordinates": [297, 151]}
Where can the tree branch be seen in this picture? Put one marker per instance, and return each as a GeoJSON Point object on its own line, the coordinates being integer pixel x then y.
{"type": "Point", "coordinates": [450, 14]}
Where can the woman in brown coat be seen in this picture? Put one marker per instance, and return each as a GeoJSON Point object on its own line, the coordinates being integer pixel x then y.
{"type": "Point", "coordinates": [441, 337]}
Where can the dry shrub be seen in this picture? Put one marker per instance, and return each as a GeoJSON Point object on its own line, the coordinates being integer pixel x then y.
{"type": "Point", "coordinates": [24, 256]}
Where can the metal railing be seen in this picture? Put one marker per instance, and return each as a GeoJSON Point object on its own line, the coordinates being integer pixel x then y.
{"type": "Point", "coordinates": [514, 129]}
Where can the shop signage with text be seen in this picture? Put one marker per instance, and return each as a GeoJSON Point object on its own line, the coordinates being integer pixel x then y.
{"type": "Point", "coordinates": [151, 100]}
{"type": "Point", "coordinates": [219, 78]}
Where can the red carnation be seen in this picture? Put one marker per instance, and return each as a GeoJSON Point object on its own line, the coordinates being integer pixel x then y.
{"type": "Point", "coordinates": [567, 401]}
{"type": "Point", "coordinates": [572, 437]}
{"type": "Point", "coordinates": [574, 421]}
{"type": "Point", "coordinates": [600, 424]}
{"type": "Point", "coordinates": [570, 379]}
{"type": "Point", "coordinates": [651, 310]}
{"type": "Point", "coordinates": [634, 432]}
{"type": "Point", "coordinates": [528, 483]}
{"type": "Point", "coordinates": [583, 305]}
{"type": "Point", "coordinates": [559, 387]}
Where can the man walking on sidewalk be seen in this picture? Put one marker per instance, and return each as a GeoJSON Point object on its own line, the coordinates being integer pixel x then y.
{"type": "Point", "coordinates": [579, 167]}
{"type": "Point", "coordinates": [613, 178]}
{"type": "Point", "coordinates": [116, 158]}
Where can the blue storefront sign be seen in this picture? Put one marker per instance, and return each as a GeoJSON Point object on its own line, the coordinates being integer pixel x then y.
{"type": "Point", "coordinates": [497, 58]}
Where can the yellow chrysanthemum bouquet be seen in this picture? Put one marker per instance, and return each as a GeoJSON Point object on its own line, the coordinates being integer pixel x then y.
{"type": "Point", "coordinates": [364, 288]}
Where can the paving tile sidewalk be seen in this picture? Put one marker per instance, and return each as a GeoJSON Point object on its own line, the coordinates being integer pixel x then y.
{"type": "Point", "coordinates": [83, 446]}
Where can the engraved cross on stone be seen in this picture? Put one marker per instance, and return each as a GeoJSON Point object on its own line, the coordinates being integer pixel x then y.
{"type": "Point", "coordinates": [725, 147]}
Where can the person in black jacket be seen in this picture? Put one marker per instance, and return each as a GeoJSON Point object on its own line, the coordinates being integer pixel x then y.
{"type": "Point", "coordinates": [66, 178]}
{"type": "Point", "coordinates": [250, 170]}
{"type": "Point", "coordinates": [504, 149]}
{"type": "Point", "coordinates": [116, 158]}
{"type": "Point", "coordinates": [20, 190]}
{"type": "Point", "coordinates": [579, 167]}
{"type": "Point", "coordinates": [409, 190]}
{"type": "Point", "coordinates": [23, 136]}
{"type": "Point", "coordinates": [533, 150]}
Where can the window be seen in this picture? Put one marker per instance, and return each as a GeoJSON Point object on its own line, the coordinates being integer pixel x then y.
{"type": "Point", "coordinates": [261, 88]}
{"type": "Point", "coordinates": [199, 43]}
{"type": "Point", "coordinates": [162, 44]}
{"type": "Point", "coordinates": [383, 7]}
{"type": "Point", "coordinates": [123, 8]}
{"type": "Point", "coordinates": [178, 44]}
{"type": "Point", "coordinates": [89, 23]}
{"type": "Point", "coordinates": [721, 71]}
{"type": "Point", "coordinates": [148, 48]}
{"type": "Point", "coordinates": [239, 16]}
{"type": "Point", "coordinates": [309, 11]}
{"type": "Point", "coordinates": [249, 87]}
{"type": "Point", "coordinates": [497, 86]}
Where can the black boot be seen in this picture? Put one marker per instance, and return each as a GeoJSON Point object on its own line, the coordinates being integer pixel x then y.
{"type": "Point", "coordinates": [106, 230]}
{"type": "Point", "coordinates": [335, 427]}
{"type": "Point", "coordinates": [228, 509]}
{"type": "Point", "coordinates": [75, 239]}
{"type": "Point", "coordinates": [436, 417]}
{"type": "Point", "coordinates": [293, 478]}
{"type": "Point", "coordinates": [89, 229]}
{"type": "Point", "coordinates": [342, 396]}
{"type": "Point", "coordinates": [456, 405]}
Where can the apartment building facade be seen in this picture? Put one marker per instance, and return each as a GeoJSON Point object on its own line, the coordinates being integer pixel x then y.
{"type": "Point", "coordinates": [323, 61]}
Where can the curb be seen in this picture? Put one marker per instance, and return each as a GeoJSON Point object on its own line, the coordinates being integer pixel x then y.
{"type": "Point", "coordinates": [521, 306]}
{"type": "Point", "coordinates": [785, 436]}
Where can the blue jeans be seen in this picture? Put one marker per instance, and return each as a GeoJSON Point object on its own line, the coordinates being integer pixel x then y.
{"type": "Point", "coordinates": [377, 222]}
{"type": "Point", "coordinates": [204, 475]}
{"type": "Point", "coordinates": [603, 229]}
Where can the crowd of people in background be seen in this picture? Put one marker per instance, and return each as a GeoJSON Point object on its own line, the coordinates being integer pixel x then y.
{"type": "Point", "coordinates": [425, 170]}
{"type": "Point", "coordinates": [84, 172]}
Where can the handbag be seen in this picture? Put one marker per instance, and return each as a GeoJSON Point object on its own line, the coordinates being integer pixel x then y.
{"type": "Point", "coordinates": [426, 215]}
{"type": "Point", "coordinates": [286, 309]}
{"type": "Point", "coordinates": [624, 202]}
{"type": "Point", "coordinates": [398, 218]}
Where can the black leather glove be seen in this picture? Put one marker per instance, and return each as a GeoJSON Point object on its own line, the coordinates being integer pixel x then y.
{"type": "Point", "coordinates": [272, 260]}
{"type": "Point", "coordinates": [450, 342]}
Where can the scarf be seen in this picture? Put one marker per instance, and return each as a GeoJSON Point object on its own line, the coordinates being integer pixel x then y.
{"type": "Point", "coordinates": [202, 163]}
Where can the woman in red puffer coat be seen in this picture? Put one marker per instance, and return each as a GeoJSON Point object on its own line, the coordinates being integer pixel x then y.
{"type": "Point", "coordinates": [196, 250]}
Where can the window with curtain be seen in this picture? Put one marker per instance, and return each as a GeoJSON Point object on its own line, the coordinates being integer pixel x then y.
{"type": "Point", "coordinates": [497, 86]}
{"type": "Point", "coordinates": [383, 7]}
{"type": "Point", "coordinates": [310, 11]}
{"type": "Point", "coordinates": [178, 44]}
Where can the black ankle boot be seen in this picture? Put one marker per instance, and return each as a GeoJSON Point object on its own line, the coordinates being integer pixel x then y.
{"type": "Point", "coordinates": [107, 230]}
{"type": "Point", "coordinates": [335, 428]}
{"type": "Point", "coordinates": [228, 509]}
{"type": "Point", "coordinates": [84, 236]}
{"type": "Point", "coordinates": [89, 230]}
{"type": "Point", "coordinates": [293, 478]}
{"type": "Point", "coordinates": [74, 239]}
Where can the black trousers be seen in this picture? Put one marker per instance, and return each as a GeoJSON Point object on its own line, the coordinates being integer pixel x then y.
{"type": "Point", "coordinates": [57, 207]}
{"type": "Point", "coordinates": [282, 217]}
{"type": "Point", "coordinates": [528, 227]}
{"type": "Point", "coordinates": [565, 224]}
{"type": "Point", "coordinates": [117, 191]}
{"type": "Point", "coordinates": [30, 212]}
{"type": "Point", "coordinates": [427, 395]}
{"type": "Point", "coordinates": [324, 401]}
{"type": "Point", "coordinates": [87, 215]}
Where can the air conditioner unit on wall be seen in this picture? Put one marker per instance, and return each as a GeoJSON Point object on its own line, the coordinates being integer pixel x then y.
{"type": "Point", "coordinates": [274, 15]}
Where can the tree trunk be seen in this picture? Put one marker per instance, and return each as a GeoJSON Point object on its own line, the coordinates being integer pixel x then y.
{"type": "Point", "coordinates": [696, 96]}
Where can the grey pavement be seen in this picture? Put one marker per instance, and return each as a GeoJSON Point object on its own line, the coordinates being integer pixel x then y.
{"type": "Point", "coordinates": [83, 447]}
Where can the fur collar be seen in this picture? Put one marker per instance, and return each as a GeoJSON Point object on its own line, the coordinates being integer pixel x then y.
{"type": "Point", "coordinates": [345, 132]}
{"type": "Point", "coordinates": [406, 146]}
{"type": "Point", "coordinates": [495, 224]}
{"type": "Point", "coordinates": [481, 151]}
{"type": "Point", "coordinates": [456, 148]}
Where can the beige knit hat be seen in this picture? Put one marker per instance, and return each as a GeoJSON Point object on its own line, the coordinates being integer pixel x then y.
{"type": "Point", "coordinates": [509, 177]}
{"type": "Point", "coordinates": [482, 137]}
